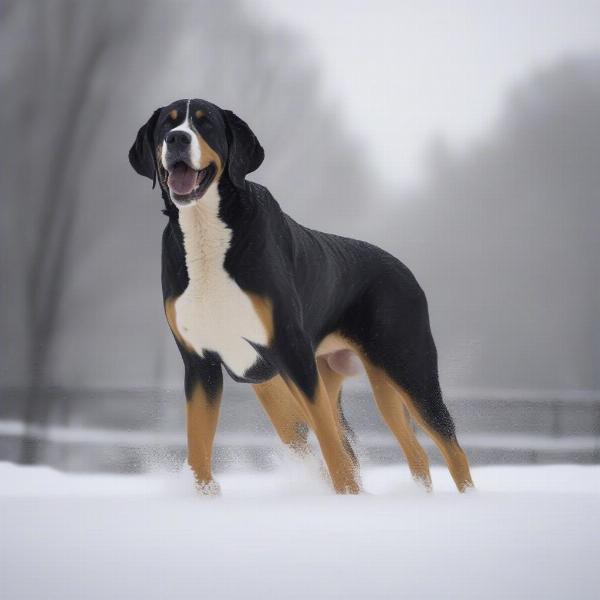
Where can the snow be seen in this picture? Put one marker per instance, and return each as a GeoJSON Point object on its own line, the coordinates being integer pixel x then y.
{"type": "Point", "coordinates": [526, 532]}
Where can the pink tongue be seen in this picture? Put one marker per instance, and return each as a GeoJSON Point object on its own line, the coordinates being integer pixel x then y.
{"type": "Point", "coordinates": [182, 179]}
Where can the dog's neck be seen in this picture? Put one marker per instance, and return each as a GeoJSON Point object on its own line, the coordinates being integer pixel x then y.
{"type": "Point", "coordinates": [206, 238]}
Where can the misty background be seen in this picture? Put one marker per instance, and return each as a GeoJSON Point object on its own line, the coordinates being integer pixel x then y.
{"type": "Point", "coordinates": [465, 140]}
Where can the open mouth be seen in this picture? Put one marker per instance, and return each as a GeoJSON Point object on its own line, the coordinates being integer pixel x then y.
{"type": "Point", "coordinates": [186, 184]}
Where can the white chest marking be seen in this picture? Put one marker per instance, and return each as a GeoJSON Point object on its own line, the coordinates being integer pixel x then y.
{"type": "Point", "coordinates": [214, 313]}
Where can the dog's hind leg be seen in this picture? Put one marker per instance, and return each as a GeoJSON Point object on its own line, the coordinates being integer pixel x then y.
{"type": "Point", "coordinates": [431, 414]}
{"type": "Point", "coordinates": [398, 350]}
{"type": "Point", "coordinates": [447, 442]}
{"type": "Point", "coordinates": [283, 411]}
{"type": "Point", "coordinates": [391, 405]}
{"type": "Point", "coordinates": [334, 382]}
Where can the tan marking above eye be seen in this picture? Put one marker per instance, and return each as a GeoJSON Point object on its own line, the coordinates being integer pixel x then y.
{"type": "Point", "coordinates": [198, 114]}
{"type": "Point", "coordinates": [173, 114]}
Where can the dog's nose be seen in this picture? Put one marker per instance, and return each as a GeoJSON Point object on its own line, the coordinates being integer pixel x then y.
{"type": "Point", "coordinates": [179, 138]}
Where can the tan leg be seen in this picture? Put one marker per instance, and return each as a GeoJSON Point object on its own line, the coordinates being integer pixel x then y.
{"type": "Point", "coordinates": [283, 411]}
{"type": "Point", "coordinates": [323, 421]}
{"type": "Point", "coordinates": [202, 418]}
{"type": "Point", "coordinates": [453, 454]}
{"type": "Point", "coordinates": [451, 451]}
{"type": "Point", "coordinates": [333, 383]}
{"type": "Point", "coordinates": [391, 405]}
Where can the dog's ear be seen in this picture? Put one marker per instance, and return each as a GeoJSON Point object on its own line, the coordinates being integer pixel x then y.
{"type": "Point", "coordinates": [245, 152]}
{"type": "Point", "coordinates": [141, 154]}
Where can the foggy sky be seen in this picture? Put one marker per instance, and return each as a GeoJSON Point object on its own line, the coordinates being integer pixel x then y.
{"type": "Point", "coordinates": [402, 73]}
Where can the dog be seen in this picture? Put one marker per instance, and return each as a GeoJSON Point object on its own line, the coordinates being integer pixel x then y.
{"type": "Point", "coordinates": [282, 307]}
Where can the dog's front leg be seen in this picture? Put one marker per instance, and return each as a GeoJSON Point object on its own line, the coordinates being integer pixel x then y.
{"type": "Point", "coordinates": [203, 390]}
{"type": "Point", "coordinates": [307, 386]}
{"type": "Point", "coordinates": [282, 408]}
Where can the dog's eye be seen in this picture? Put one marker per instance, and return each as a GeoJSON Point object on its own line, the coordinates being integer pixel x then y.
{"type": "Point", "coordinates": [204, 122]}
{"type": "Point", "coordinates": [201, 119]}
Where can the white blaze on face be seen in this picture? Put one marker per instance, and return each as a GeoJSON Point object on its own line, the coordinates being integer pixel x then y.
{"type": "Point", "coordinates": [195, 152]}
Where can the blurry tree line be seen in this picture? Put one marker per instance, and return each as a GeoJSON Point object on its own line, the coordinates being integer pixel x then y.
{"type": "Point", "coordinates": [506, 237]}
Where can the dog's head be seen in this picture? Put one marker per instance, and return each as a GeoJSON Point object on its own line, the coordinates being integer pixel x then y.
{"type": "Point", "coordinates": [191, 144]}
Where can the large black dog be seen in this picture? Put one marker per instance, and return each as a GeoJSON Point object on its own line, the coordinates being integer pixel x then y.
{"type": "Point", "coordinates": [280, 306]}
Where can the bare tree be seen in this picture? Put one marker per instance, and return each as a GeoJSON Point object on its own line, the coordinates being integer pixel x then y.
{"type": "Point", "coordinates": [60, 48]}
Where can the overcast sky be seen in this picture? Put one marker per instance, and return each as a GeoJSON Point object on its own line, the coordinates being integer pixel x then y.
{"type": "Point", "coordinates": [402, 72]}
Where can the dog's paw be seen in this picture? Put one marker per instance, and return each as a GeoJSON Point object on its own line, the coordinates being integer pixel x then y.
{"type": "Point", "coordinates": [208, 488]}
{"type": "Point", "coordinates": [423, 481]}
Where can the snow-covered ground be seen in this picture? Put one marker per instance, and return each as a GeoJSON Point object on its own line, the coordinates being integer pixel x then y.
{"type": "Point", "coordinates": [527, 532]}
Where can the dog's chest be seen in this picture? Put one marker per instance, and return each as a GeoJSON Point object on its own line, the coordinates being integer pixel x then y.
{"type": "Point", "coordinates": [214, 313]}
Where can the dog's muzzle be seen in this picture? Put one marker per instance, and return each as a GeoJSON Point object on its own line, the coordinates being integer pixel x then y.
{"type": "Point", "coordinates": [183, 178]}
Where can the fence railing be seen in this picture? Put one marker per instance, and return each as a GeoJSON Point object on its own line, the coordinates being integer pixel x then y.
{"type": "Point", "coordinates": [136, 429]}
